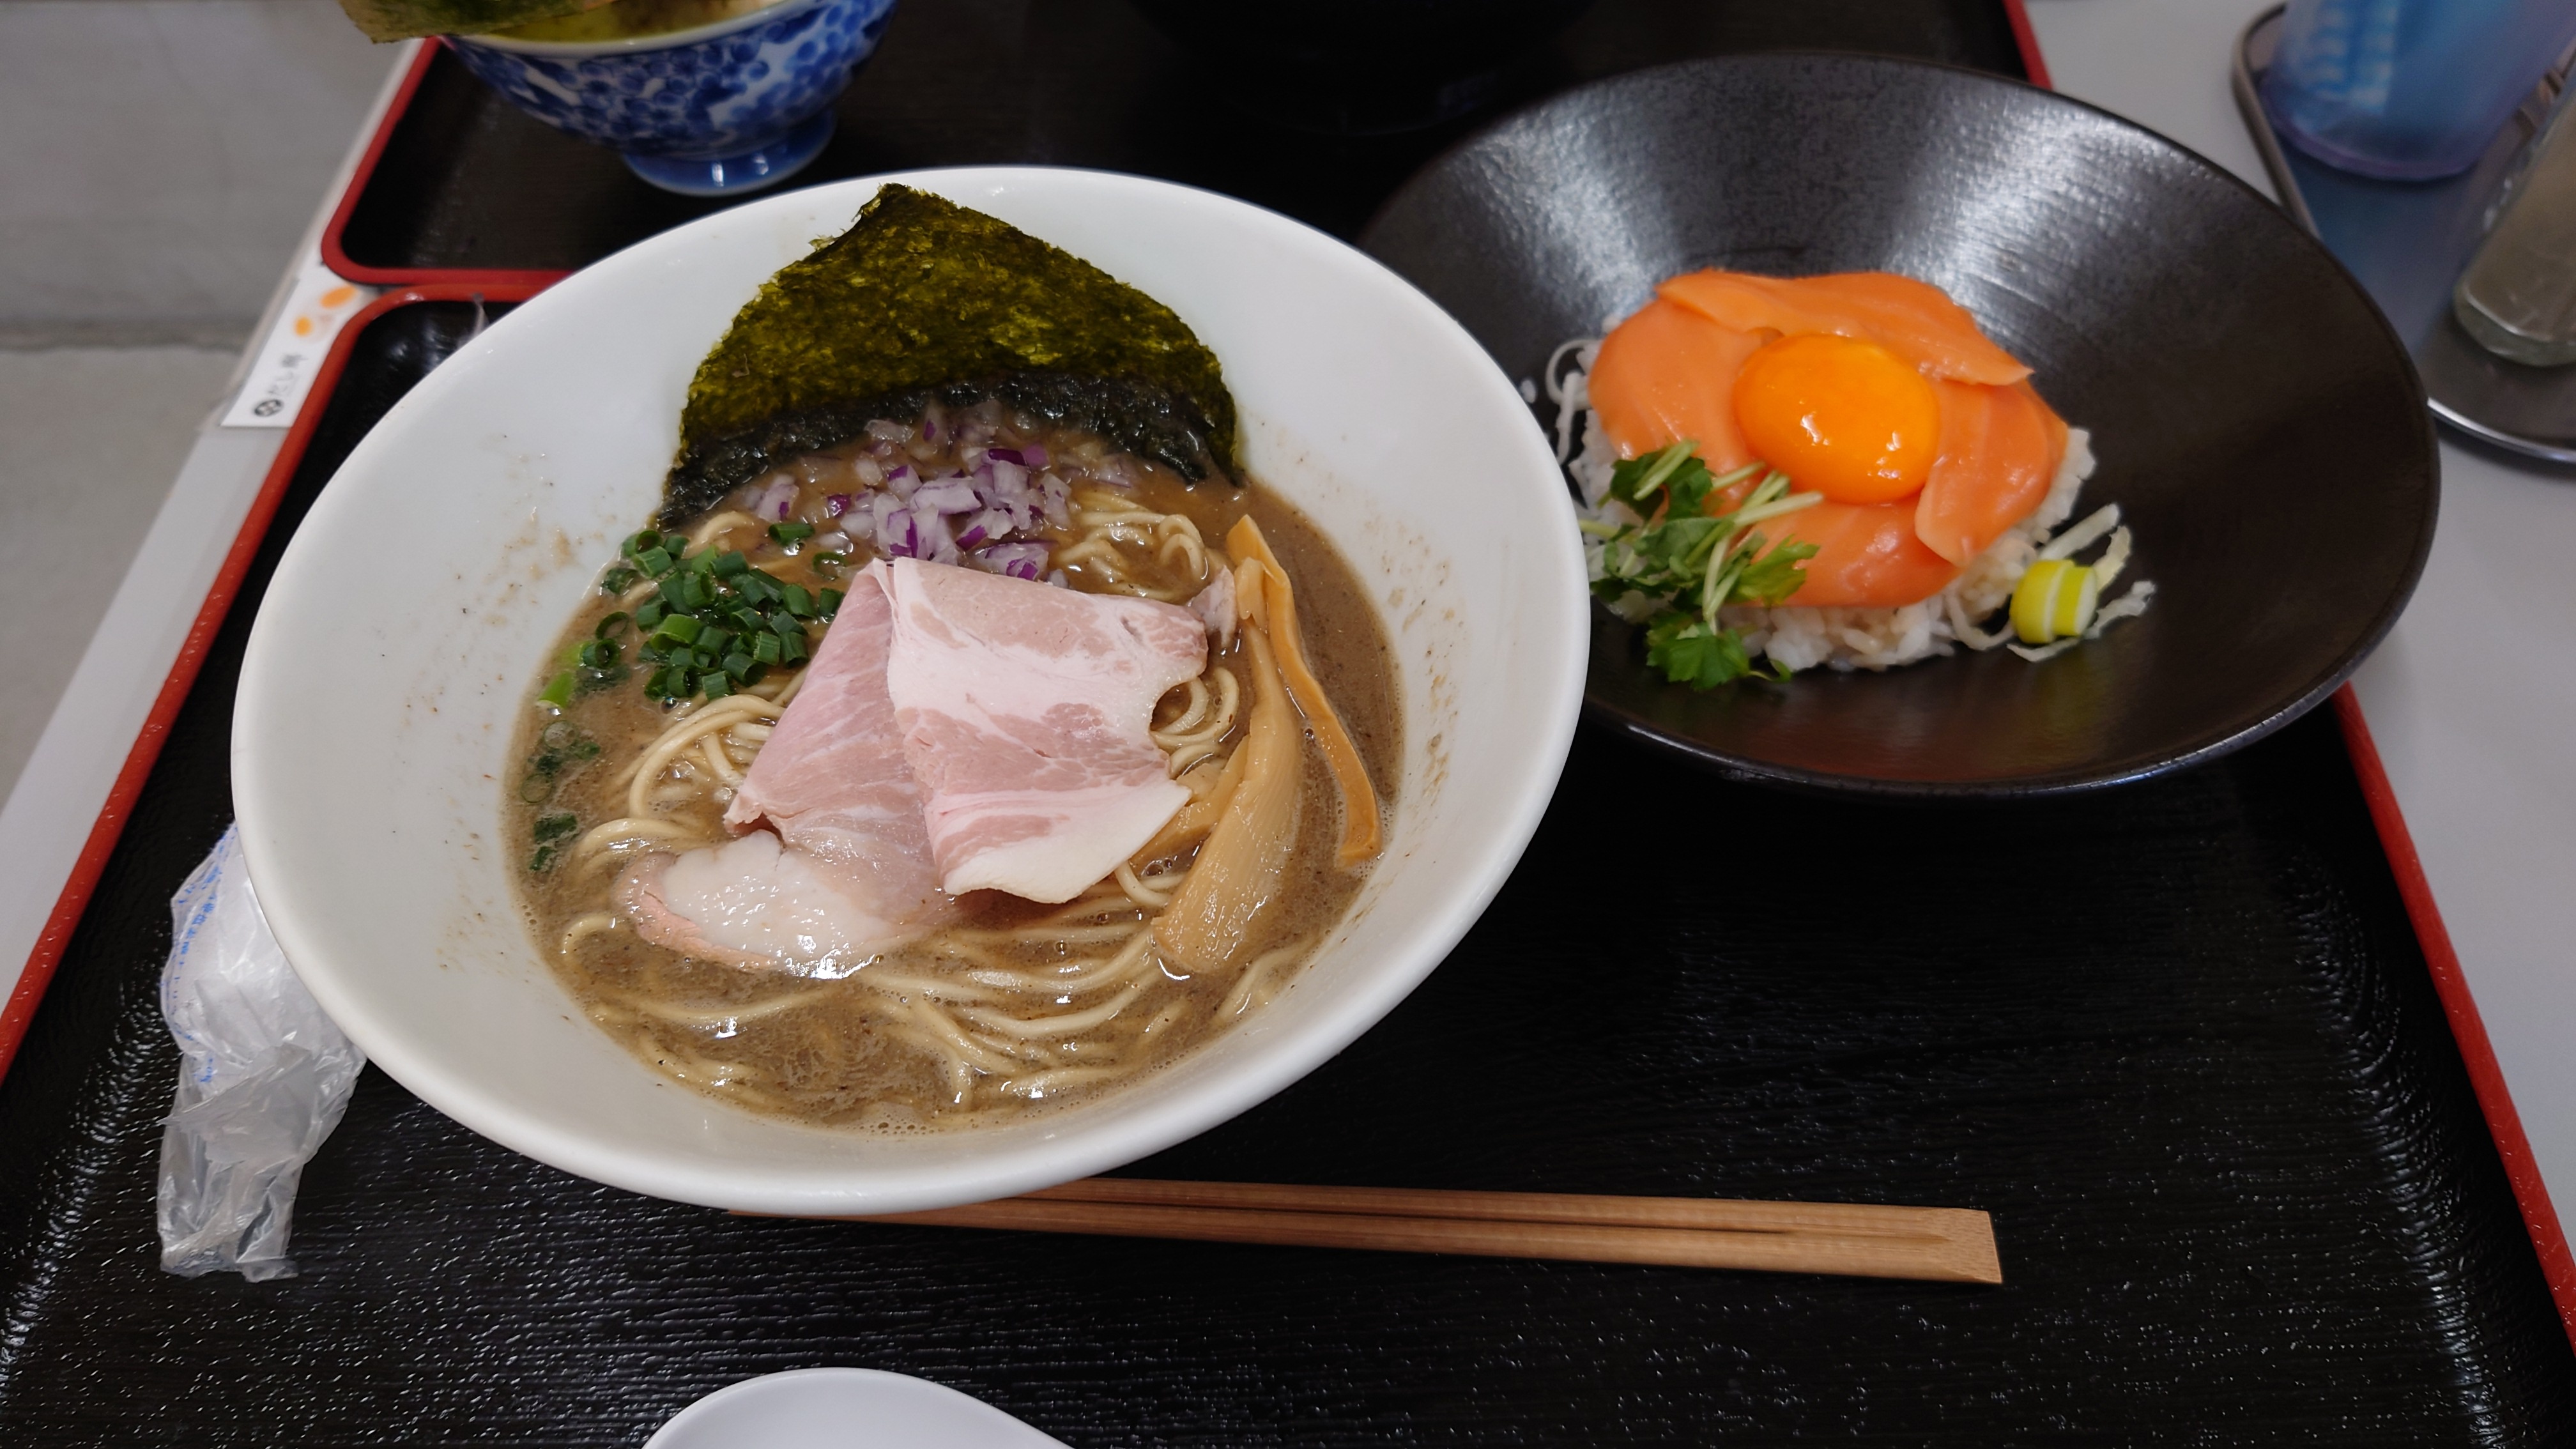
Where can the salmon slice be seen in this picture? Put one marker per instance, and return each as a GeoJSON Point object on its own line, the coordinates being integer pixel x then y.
{"type": "Point", "coordinates": [1866, 555]}
{"type": "Point", "coordinates": [1999, 452]}
{"type": "Point", "coordinates": [1915, 320]}
{"type": "Point", "coordinates": [1666, 374]}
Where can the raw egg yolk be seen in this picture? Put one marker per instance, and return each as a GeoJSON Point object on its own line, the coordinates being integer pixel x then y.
{"type": "Point", "coordinates": [1842, 417]}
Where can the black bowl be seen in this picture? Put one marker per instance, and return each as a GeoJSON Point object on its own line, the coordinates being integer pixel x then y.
{"type": "Point", "coordinates": [2255, 418]}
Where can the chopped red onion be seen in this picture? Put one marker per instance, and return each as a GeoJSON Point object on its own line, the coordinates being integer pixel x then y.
{"type": "Point", "coordinates": [776, 499]}
{"type": "Point", "coordinates": [980, 517]}
{"type": "Point", "coordinates": [1023, 560]}
{"type": "Point", "coordinates": [988, 526]}
{"type": "Point", "coordinates": [931, 522]}
{"type": "Point", "coordinates": [1059, 580]}
{"type": "Point", "coordinates": [897, 535]}
{"type": "Point", "coordinates": [948, 495]}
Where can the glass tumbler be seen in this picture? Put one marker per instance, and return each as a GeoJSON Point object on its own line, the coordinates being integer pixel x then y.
{"type": "Point", "coordinates": [2518, 296]}
{"type": "Point", "coordinates": [2408, 89]}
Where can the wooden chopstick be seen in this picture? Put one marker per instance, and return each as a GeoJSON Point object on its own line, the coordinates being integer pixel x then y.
{"type": "Point", "coordinates": [1950, 1245]}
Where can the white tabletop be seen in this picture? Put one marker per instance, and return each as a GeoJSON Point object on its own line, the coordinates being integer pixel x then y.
{"type": "Point", "coordinates": [2468, 699]}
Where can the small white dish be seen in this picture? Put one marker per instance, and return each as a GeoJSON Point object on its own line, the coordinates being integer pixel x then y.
{"type": "Point", "coordinates": [843, 1408]}
{"type": "Point", "coordinates": [409, 619]}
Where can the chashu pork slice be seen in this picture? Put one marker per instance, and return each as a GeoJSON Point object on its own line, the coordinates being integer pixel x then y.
{"type": "Point", "coordinates": [849, 871]}
{"type": "Point", "coordinates": [1026, 713]}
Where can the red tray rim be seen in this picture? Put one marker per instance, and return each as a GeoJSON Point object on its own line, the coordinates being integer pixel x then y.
{"type": "Point", "coordinates": [38, 972]}
{"type": "Point", "coordinates": [336, 256]}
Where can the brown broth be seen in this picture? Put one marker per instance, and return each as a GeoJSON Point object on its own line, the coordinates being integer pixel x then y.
{"type": "Point", "coordinates": [848, 1051]}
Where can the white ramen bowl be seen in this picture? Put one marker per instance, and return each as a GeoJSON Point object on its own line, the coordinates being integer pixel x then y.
{"type": "Point", "coordinates": [410, 617]}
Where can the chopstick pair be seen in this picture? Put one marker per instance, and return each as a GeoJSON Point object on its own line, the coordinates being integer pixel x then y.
{"type": "Point", "coordinates": [1951, 1245]}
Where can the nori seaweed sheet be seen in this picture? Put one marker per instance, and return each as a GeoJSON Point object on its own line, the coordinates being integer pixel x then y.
{"type": "Point", "coordinates": [923, 297]}
{"type": "Point", "coordinates": [1136, 415]}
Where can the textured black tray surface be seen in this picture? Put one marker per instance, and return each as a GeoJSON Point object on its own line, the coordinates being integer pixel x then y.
{"type": "Point", "coordinates": [2177, 1038]}
{"type": "Point", "coordinates": [467, 182]}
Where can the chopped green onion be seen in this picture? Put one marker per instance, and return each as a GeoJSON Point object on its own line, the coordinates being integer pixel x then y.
{"type": "Point", "coordinates": [649, 614]}
{"type": "Point", "coordinates": [618, 580]}
{"type": "Point", "coordinates": [740, 665]}
{"type": "Point", "coordinates": [793, 645]}
{"type": "Point", "coordinates": [829, 565]}
{"type": "Point", "coordinates": [700, 595]}
{"type": "Point", "coordinates": [609, 626]}
{"type": "Point", "coordinates": [555, 826]}
{"type": "Point", "coordinates": [714, 685]}
{"type": "Point", "coordinates": [654, 561]}
{"type": "Point", "coordinates": [766, 648]}
{"type": "Point", "coordinates": [682, 627]}
{"type": "Point", "coordinates": [544, 857]}
{"type": "Point", "coordinates": [729, 563]}
{"type": "Point", "coordinates": [791, 532]}
{"type": "Point", "coordinates": [831, 603]}
{"type": "Point", "coordinates": [799, 602]}
{"type": "Point", "coordinates": [558, 690]}
{"type": "Point", "coordinates": [599, 653]}
{"type": "Point", "coordinates": [639, 541]}
{"type": "Point", "coordinates": [699, 562]}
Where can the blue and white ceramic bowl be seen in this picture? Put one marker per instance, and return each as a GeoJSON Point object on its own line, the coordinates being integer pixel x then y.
{"type": "Point", "coordinates": [716, 110]}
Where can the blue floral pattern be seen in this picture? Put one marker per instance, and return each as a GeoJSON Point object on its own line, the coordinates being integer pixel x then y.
{"type": "Point", "coordinates": [721, 96]}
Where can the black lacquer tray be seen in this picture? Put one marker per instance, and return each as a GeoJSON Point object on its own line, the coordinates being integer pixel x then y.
{"type": "Point", "coordinates": [2177, 1038]}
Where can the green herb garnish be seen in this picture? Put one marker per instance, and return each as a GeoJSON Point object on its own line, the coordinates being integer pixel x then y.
{"type": "Point", "coordinates": [1692, 563]}
{"type": "Point", "coordinates": [562, 749]}
{"type": "Point", "coordinates": [713, 625]}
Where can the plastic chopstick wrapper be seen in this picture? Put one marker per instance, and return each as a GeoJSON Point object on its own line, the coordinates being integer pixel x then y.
{"type": "Point", "coordinates": [263, 1078]}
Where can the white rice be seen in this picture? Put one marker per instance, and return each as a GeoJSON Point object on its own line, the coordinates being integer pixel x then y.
{"type": "Point", "coordinates": [1840, 637]}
